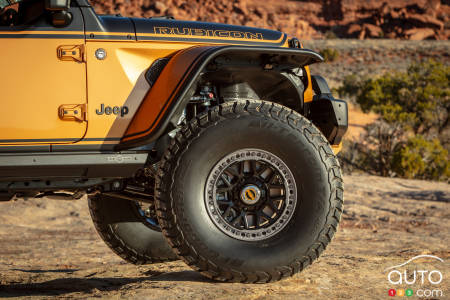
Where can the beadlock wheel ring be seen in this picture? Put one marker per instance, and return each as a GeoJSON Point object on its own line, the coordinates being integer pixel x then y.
{"type": "Point", "coordinates": [245, 220]}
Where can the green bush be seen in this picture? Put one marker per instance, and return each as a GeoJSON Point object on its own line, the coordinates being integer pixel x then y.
{"type": "Point", "coordinates": [330, 35]}
{"type": "Point", "coordinates": [410, 138]}
{"type": "Point", "coordinates": [329, 54]}
{"type": "Point", "coordinates": [418, 99]}
{"type": "Point", "coordinates": [420, 158]}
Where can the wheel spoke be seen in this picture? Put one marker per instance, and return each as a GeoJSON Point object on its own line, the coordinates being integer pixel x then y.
{"type": "Point", "coordinates": [222, 190]}
{"type": "Point", "coordinates": [253, 167]}
{"type": "Point", "coordinates": [237, 220]}
{"type": "Point", "coordinates": [263, 169]}
{"type": "Point", "coordinates": [266, 216]}
{"type": "Point", "coordinates": [246, 224]}
{"type": "Point", "coordinates": [274, 200]}
{"type": "Point", "coordinates": [227, 212]}
{"type": "Point", "coordinates": [259, 216]}
{"type": "Point", "coordinates": [225, 179]}
{"type": "Point", "coordinates": [224, 202]}
{"type": "Point", "coordinates": [270, 178]}
{"type": "Point", "coordinates": [241, 168]}
{"type": "Point", "coordinates": [231, 172]}
{"type": "Point", "coordinates": [250, 220]}
{"type": "Point", "coordinates": [273, 206]}
{"type": "Point", "coordinates": [276, 186]}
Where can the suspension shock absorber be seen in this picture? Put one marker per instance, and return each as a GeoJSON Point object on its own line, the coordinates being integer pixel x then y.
{"type": "Point", "coordinates": [201, 101]}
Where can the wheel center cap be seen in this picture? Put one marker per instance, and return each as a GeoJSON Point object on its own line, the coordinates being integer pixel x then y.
{"type": "Point", "coordinates": [250, 194]}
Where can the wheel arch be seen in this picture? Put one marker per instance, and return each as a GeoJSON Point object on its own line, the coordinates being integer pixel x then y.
{"type": "Point", "coordinates": [170, 93]}
{"type": "Point", "coordinates": [251, 82]}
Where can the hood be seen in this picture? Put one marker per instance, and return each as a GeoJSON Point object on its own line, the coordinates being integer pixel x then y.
{"type": "Point", "coordinates": [164, 29]}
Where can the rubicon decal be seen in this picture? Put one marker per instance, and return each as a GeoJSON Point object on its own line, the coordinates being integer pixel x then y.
{"type": "Point", "coordinates": [115, 110]}
{"type": "Point", "coordinates": [209, 33]}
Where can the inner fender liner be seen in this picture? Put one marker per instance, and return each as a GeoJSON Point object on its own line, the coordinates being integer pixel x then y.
{"type": "Point", "coordinates": [167, 97]}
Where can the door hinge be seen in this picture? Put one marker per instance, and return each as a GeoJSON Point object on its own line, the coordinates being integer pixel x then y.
{"type": "Point", "coordinates": [72, 112]}
{"type": "Point", "coordinates": [71, 53]}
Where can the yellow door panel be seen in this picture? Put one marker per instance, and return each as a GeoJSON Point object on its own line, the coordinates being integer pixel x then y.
{"type": "Point", "coordinates": [34, 84]}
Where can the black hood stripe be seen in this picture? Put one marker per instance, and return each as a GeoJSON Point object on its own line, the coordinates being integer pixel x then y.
{"type": "Point", "coordinates": [212, 41]}
{"type": "Point", "coordinates": [143, 38]}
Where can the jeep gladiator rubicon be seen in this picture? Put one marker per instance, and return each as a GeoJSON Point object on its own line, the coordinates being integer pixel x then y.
{"type": "Point", "coordinates": [201, 141]}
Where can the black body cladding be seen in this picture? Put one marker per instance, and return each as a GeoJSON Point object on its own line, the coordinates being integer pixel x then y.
{"type": "Point", "coordinates": [119, 28]}
{"type": "Point", "coordinates": [155, 70]}
{"type": "Point", "coordinates": [328, 114]}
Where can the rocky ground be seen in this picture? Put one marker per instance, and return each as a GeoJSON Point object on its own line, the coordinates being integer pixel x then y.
{"type": "Point", "coordinates": [50, 249]}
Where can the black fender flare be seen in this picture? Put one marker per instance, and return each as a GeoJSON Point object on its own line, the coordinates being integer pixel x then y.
{"type": "Point", "coordinates": [168, 96]}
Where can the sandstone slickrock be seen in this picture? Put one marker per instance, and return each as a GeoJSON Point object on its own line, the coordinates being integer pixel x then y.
{"type": "Point", "coordinates": [396, 19]}
{"type": "Point", "coordinates": [46, 253]}
{"type": "Point", "coordinates": [417, 34]}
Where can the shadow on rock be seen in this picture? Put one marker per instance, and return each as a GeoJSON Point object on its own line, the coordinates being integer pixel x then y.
{"type": "Point", "coordinates": [63, 286]}
{"type": "Point", "coordinates": [47, 271]}
{"type": "Point", "coordinates": [438, 196]}
{"type": "Point", "coordinates": [191, 276]}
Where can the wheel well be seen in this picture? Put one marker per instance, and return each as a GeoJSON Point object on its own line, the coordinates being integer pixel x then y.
{"type": "Point", "coordinates": [249, 77]}
{"type": "Point", "coordinates": [282, 87]}
{"type": "Point", "coordinates": [229, 79]}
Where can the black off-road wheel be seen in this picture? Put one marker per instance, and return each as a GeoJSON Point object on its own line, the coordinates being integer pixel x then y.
{"type": "Point", "coordinates": [249, 192]}
{"type": "Point", "coordinates": [129, 230]}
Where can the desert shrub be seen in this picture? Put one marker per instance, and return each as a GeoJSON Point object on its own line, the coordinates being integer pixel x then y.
{"type": "Point", "coordinates": [420, 158]}
{"type": "Point", "coordinates": [418, 99]}
{"type": "Point", "coordinates": [330, 35]}
{"type": "Point", "coordinates": [349, 156]}
{"type": "Point", "coordinates": [329, 54]}
{"type": "Point", "coordinates": [375, 151]}
{"type": "Point", "coordinates": [410, 137]}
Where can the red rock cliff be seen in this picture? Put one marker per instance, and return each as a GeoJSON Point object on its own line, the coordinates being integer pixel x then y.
{"type": "Point", "coordinates": [399, 19]}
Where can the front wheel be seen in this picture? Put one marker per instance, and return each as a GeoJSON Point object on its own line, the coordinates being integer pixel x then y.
{"type": "Point", "coordinates": [249, 192]}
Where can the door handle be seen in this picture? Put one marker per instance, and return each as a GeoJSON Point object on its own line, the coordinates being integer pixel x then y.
{"type": "Point", "coordinates": [71, 53]}
{"type": "Point", "coordinates": [72, 112]}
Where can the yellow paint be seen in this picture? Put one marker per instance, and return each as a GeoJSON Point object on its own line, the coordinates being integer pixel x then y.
{"type": "Point", "coordinates": [337, 148]}
{"type": "Point", "coordinates": [308, 94]}
{"type": "Point", "coordinates": [33, 86]}
{"type": "Point", "coordinates": [111, 81]}
{"type": "Point", "coordinates": [32, 95]}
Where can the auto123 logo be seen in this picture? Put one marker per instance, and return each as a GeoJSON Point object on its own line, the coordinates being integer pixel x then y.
{"type": "Point", "coordinates": [419, 276]}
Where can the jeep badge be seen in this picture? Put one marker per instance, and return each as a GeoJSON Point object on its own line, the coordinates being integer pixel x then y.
{"type": "Point", "coordinates": [116, 110]}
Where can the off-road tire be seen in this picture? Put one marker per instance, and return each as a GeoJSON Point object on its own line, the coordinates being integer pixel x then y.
{"type": "Point", "coordinates": [181, 181]}
{"type": "Point", "coordinates": [124, 232]}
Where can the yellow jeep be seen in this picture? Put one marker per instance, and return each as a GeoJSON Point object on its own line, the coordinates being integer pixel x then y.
{"type": "Point", "coordinates": [211, 138]}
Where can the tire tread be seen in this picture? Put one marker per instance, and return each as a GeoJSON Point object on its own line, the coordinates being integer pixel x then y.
{"type": "Point", "coordinates": [114, 242]}
{"type": "Point", "coordinates": [171, 160]}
